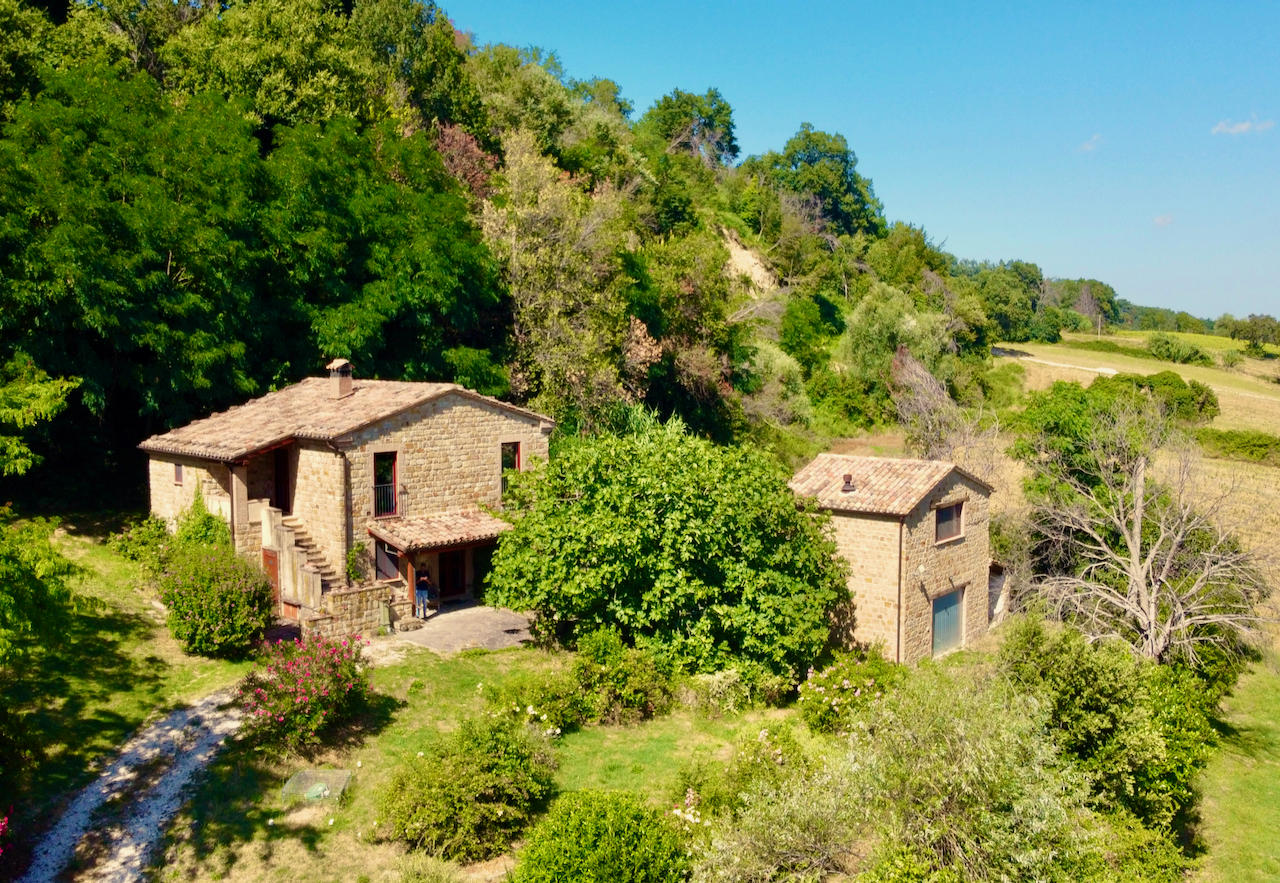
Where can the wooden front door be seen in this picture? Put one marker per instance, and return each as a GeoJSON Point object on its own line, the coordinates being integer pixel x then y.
{"type": "Point", "coordinates": [453, 573]}
{"type": "Point", "coordinates": [271, 564]}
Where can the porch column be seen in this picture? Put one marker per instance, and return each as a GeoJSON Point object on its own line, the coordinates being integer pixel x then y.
{"type": "Point", "coordinates": [239, 502]}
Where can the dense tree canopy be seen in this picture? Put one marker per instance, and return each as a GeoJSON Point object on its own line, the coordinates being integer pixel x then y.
{"type": "Point", "coordinates": [198, 203]}
{"type": "Point", "coordinates": [696, 550]}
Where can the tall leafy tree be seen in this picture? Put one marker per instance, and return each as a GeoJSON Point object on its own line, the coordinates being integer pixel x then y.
{"type": "Point", "coordinates": [822, 164]}
{"type": "Point", "coordinates": [126, 241]}
{"type": "Point", "coordinates": [698, 125]}
{"type": "Point", "coordinates": [293, 60]}
{"type": "Point", "coordinates": [24, 37]}
{"type": "Point", "coordinates": [560, 252]}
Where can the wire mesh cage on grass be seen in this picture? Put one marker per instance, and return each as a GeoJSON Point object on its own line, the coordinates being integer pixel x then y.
{"type": "Point", "coordinates": [313, 785]}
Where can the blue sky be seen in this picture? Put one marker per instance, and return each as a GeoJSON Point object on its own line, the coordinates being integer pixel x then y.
{"type": "Point", "coordinates": [1134, 143]}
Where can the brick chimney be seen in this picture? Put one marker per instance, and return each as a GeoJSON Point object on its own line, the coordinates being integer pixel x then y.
{"type": "Point", "coordinates": [339, 378]}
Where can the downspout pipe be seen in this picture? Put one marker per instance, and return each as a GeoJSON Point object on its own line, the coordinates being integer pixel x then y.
{"type": "Point", "coordinates": [897, 650]}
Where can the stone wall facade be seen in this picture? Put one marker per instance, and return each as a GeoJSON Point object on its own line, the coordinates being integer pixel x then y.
{"type": "Point", "coordinates": [169, 499]}
{"type": "Point", "coordinates": [448, 455]}
{"type": "Point", "coordinates": [319, 498]}
{"type": "Point", "coordinates": [962, 563]}
{"type": "Point", "coordinates": [870, 543]}
{"type": "Point", "coordinates": [898, 568]}
{"type": "Point", "coordinates": [357, 611]}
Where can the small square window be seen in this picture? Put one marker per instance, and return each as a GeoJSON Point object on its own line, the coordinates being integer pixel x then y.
{"type": "Point", "coordinates": [949, 522]}
{"type": "Point", "coordinates": [177, 473]}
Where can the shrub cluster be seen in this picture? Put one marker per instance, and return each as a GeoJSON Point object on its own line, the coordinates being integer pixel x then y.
{"type": "Point", "coordinates": [1139, 731]}
{"type": "Point", "coordinates": [1192, 401]}
{"type": "Point", "coordinates": [608, 683]}
{"type": "Point", "coordinates": [1240, 444]}
{"type": "Point", "coordinates": [603, 836]}
{"type": "Point", "coordinates": [1168, 348]}
{"type": "Point", "coordinates": [219, 604]}
{"type": "Point", "coordinates": [768, 757]}
{"type": "Point", "coordinates": [145, 541]}
{"type": "Point", "coordinates": [830, 698]}
{"type": "Point", "coordinates": [302, 688]}
{"type": "Point", "coordinates": [472, 795]}
{"type": "Point", "coordinates": [622, 684]}
{"type": "Point", "coordinates": [553, 703]}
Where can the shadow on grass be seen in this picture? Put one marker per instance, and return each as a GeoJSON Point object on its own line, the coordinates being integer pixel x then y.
{"type": "Point", "coordinates": [61, 714]}
{"type": "Point", "coordinates": [238, 801]}
{"type": "Point", "coordinates": [1255, 743]}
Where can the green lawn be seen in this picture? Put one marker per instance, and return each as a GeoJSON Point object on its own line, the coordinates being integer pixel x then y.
{"type": "Point", "coordinates": [115, 669]}
{"type": "Point", "coordinates": [1240, 810]}
{"type": "Point", "coordinates": [238, 828]}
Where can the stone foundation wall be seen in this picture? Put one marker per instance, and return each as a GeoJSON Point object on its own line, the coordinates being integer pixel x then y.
{"type": "Point", "coordinates": [870, 544]}
{"type": "Point", "coordinates": [960, 563]}
{"type": "Point", "coordinates": [356, 611]}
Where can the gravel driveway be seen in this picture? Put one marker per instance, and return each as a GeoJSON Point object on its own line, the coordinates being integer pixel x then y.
{"type": "Point", "coordinates": [117, 820]}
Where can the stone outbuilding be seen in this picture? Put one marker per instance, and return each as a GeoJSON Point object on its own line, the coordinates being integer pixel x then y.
{"type": "Point", "coordinates": [404, 474]}
{"type": "Point", "coordinates": [915, 534]}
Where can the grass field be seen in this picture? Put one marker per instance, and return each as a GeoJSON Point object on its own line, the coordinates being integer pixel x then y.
{"type": "Point", "coordinates": [237, 828]}
{"type": "Point", "coordinates": [115, 669]}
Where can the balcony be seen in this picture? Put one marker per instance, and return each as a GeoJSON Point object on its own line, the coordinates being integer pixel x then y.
{"type": "Point", "coordinates": [384, 500]}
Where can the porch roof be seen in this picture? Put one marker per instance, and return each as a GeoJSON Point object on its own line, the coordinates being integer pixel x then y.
{"type": "Point", "coordinates": [880, 485]}
{"type": "Point", "coordinates": [421, 533]}
{"type": "Point", "coordinates": [304, 410]}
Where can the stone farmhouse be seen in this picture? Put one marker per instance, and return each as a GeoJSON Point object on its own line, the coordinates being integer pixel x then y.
{"type": "Point", "coordinates": [403, 473]}
{"type": "Point", "coordinates": [915, 535]}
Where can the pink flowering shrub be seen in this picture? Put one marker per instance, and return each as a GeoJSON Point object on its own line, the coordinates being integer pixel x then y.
{"type": "Point", "coordinates": [301, 688]}
{"type": "Point", "coordinates": [829, 698]}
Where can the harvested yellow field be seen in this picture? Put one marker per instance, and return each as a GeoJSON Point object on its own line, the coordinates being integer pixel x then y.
{"type": "Point", "coordinates": [1247, 402]}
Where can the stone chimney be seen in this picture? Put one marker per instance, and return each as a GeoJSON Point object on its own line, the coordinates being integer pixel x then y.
{"type": "Point", "coordinates": [849, 486]}
{"type": "Point", "coordinates": [339, 378]}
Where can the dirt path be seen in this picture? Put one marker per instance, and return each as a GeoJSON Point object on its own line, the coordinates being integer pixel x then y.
{"type": "Point", "coordinates": [112, 825]}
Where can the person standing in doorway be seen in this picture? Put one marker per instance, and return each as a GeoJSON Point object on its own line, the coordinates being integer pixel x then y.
{"type": "Point", "coordinates": [425, 593]}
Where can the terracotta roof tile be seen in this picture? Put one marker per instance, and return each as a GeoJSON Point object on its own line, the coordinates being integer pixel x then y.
{"type": "Point", "coordinates": [881, 485]}
{"type": "Point", "coordinates": [305, 410]}
{"type": "Point", "coordinates": [418, 533]}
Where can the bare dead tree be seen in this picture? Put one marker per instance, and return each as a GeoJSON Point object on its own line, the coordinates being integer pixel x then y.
{"type": "Point", "coordinates": [1150, 563]}
{"type": "Point", "coordinates": [936, 427]}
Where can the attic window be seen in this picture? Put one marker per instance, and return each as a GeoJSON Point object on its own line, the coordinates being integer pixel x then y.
{"type": "Point", "coordinates": [177, 474]}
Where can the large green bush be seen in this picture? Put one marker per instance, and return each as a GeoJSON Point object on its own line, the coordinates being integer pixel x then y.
{"type": "Point", "coordinates": [603, 837]}
{"type": "Point", "coordinates": [621, 684]}
{"type": "Point", "coordinates": [469, 797]}
{"type": "Point", "coordinates": [1168, 348]}
{"type": "Point", "coordinates": [219, 604]}
{"type": "Point", "coordinates": [697, 551]}
{"type": "Point", "coordinates": [1138, 730]}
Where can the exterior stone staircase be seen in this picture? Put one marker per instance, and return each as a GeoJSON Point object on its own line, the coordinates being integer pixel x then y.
{"type": "Point", "coordinates": [330, 577]}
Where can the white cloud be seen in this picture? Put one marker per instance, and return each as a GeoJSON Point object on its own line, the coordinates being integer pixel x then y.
{"type": "Point", "coordinates": [1092, 144]}
{"type": "Point", "coordinates": [1244, 127]}
{"type": "Point", "coordinates": [1162, 220]}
